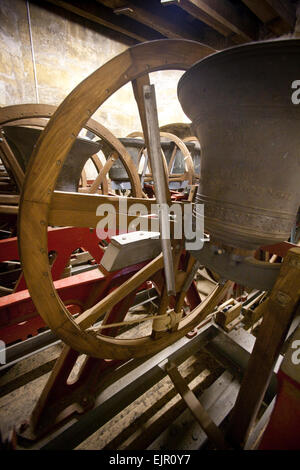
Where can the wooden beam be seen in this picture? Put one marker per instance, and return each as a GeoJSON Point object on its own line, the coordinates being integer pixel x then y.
{"type": "Point", "coordinates": [297, 25]}
{"type": "Point", "coordinates": [102, 15]}
{"type": "Point", "coordinates": [200, 15]}
{"type": "Point", "coordinates": [269, 16]}
{"type": "Point", "coordinates": [223, 12]}
{"type": "Point", "coordinates": [261, 9]}
{"type": "Point", "coordinates": [79, 209]}
{"type": "Point", "coordinates": [8, 209]}
{"type": "Point", "coordinates": [154, 18]}
{"type": "Point", "coordinates": [10, 199]}
{"type": "Point", "coordinates": [285, 10]}
{"type": "Point", "coordinates": [164, 26]}
{"type": "Point", "coordinates": [278, 27]}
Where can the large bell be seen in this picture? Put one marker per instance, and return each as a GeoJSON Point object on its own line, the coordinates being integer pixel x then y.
{"type": "Point", "coordinates": [119, 176]}
{"type": "Point", "coordinates": [240, 102]}
{"type": "Point", "coordinates": [22, 141]}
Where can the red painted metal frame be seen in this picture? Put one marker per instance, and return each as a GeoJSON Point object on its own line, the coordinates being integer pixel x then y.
{"type": "Point", "coordinates": [18, 316]}
{"type": "Point", "coordinates": [61, 399]}
{"type": "Point", "coordinates": [283, 429]}
{"type": "Point", "coordinates": [63, 241]}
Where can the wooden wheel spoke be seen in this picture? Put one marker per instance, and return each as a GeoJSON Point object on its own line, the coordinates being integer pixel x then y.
{"type": "Point", "coordinates": [126, 303]}
{"type": "Point", "coordinates": [90, 316]}
{"type": "Point", "coordinates": [11, 163]}
{"type": "Point", "coordinates": [101, 180]}
{"type": "Point", "coordinates": [117, 315]}
{"type": "Point", "coordinates": [188, 279]}
{"type": "Point", "coordinates": [131, 287]}
{"type": "Point", "coordinates": [105, 181]}
{"type": "Point", "coordinates": [103, 173]}
{"type": "Point", "coordinates": [170, 166]}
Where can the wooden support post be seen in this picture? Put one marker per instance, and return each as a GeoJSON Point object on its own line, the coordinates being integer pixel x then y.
{"type": "Point", "coordinates": [279, 313]}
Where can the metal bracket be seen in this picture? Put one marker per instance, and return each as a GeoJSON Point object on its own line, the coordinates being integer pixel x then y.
{"type": "Point", "coordinates": [131, 248]}
{"type": "Point", "coordinates": [246, 271]}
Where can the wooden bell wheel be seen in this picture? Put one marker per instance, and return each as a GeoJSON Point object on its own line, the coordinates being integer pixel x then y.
{"type": "Point", "coordinates": [184, 131]}
{"type": "Point", "coordinates": [189, 173]}
{"type": "Point", "coordinates": [181, 129]}
{"type": "Point", "coordinates": [42, 206]}
{"type": "Point", "coordinates": [37, 115]}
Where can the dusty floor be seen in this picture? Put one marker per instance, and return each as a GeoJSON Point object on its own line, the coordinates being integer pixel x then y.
{"type": "Point", "coordinates": [138, 425]}
{"type": "Point", "coordinates": [134, 428]}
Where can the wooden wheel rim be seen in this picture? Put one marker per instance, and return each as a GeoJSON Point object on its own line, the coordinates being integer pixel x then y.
{"type": "Point", "coordinates": [43, 170]}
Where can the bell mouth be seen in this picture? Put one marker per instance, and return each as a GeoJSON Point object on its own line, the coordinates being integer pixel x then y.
{"type": "Point", "coordinates": [240, 102]}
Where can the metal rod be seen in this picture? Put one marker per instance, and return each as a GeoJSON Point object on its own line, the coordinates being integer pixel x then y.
{"type": "Point", "coordinates": [159, 183]}
{"type": "Point", "coordinates": [191, 276]}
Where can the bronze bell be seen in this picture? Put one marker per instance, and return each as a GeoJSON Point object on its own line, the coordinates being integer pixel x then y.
{"type": "Point", "coordinates": [22, 141]}
{"type": "Point", "coordinates": [244, 108]}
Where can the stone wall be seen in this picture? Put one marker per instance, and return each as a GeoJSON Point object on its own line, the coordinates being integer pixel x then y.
{"type": "Point", "coordinates": [67, 50]}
